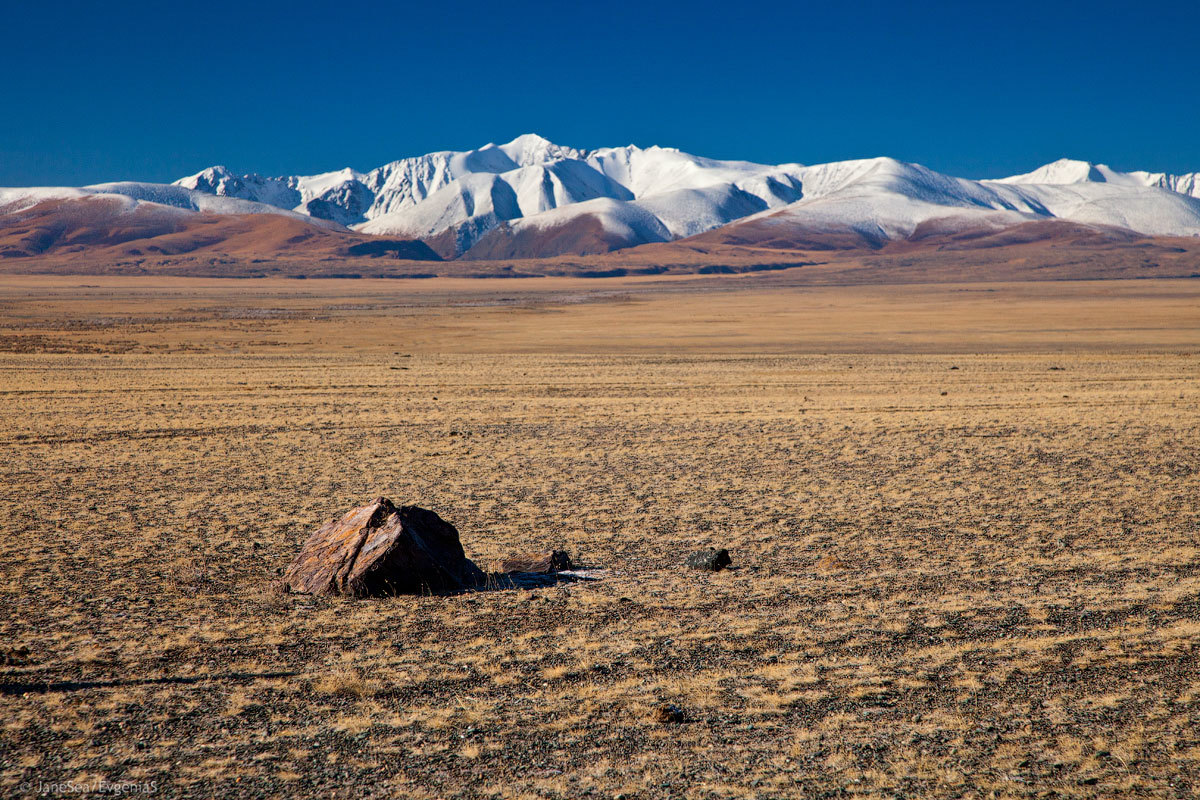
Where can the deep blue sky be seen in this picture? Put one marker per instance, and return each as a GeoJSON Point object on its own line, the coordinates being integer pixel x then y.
{"type": "Point", "coordinates": [154, 91]}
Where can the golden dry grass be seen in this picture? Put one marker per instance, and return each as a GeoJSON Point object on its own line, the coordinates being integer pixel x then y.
{"type": "Point", "coordinates": [974, 574]}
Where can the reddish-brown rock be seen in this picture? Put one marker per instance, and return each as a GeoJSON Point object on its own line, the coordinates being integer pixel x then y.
{"type": "Point", "coordinates": [382, 549]}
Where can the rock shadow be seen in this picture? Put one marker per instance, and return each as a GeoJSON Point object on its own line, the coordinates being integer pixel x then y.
{"type": "Point", "coordinates": [8, 687]}
{"type": "Point", "coordinates": [502, 581]}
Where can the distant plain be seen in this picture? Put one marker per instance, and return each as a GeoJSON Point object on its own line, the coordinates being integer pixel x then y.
{"type": "Point", "coordinates": [964, 516]}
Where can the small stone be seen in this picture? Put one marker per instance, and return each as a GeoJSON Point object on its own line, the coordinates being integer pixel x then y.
{"type": "Point", "coordinates": [16, 656]}
{"type": "Point", "coordinates": [829, 563]}
{"type": "Point", "coordinates": [709, 560]}
{"type": "Point", "coordinates": [668, 714]}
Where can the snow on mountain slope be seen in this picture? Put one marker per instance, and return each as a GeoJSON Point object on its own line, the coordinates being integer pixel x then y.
{"type": "Point", "coordinates": [687, 212]}
{"type": "Point", "coordinates": [1148, 210]}
{"type": "Point", "coordinates": [854, 218]}
{"type": "Point", "coordinates": [102, 228]}
{"type": "Point", "coordinates": [405, 183]}
{"type": "Point", "coordinates": [531, 197]}
{"type": "Point", "coordinates": [468, 207]}
{"type": "Point", "coordinates": [871, 202]}
{"type": "Point", "coordinates": [461, 211]}
{"type": "Point", "coordinates": [657, 170]}
{"type": "Point", "coordinates": [351, 197]}
{"type": "Point", "coordinates": [621, 219]}
{"type": "Point", "coordinates": [450, 194]}
{"type": "Point", "coordinates": [1148, 203]}
{"type": "Point", "coordinates": [887, 177]}
{"type": "Point", "coordinates": [529, 149]}
{"type": "Point", "coordinates": [336, 196]}
{"type": "Point", "coordinates": [223, 183]}
{"type": "Point", "coordinates": [187, 199]}
{"type": "Point", "coordinates": [1068, 171]}
{"type": "Point", "coordinates": [1187, 184]}
{"type": "Point", "coordinates": [875, 200]}
{"type": "Point", "coordinates": [19, 199]}
{"type": "Point", "coordinates": [685, 193]}
{"type": "Point", "coordinates": [593, 226]}
{"type": "Point", "coordinates": [131, 195]}
{"type": "Point", "coordinates": [131, 219]}
{"type": "Point", "coordinates": [457, 198]}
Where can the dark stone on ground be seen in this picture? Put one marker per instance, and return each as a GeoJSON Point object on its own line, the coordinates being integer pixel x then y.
{"type": "Point", "coordinates": [710, 560]}
{"type": "Point", "coordinates": [669, 714]}
{"type": "Point", "coordinates": [14, 656]}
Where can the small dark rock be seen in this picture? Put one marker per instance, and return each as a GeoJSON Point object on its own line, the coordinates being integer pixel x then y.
{"type": "Point", "coordinates": [709, 560]}
{"type": "Point", "coordinates": [669, 714]}
{"type": "Point", "coordinates": [16, 656]}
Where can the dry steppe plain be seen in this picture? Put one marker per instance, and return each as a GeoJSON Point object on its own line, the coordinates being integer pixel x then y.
{"type": "Point", "coordinates": [965, 522]}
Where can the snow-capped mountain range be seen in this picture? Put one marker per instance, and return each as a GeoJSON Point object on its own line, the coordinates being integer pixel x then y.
{"type": "Point", "coordinates": [531, 198]}
{"type": "Point", "coordinates": [655, 194]}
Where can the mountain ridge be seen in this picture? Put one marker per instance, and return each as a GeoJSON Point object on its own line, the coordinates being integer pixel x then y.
{"type": "Point", "coordinates": [531, 198]}
{"type": "Point", "coordinates": [508, 188]}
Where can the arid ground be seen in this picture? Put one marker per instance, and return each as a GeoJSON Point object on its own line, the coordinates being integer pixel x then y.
{"type": "Point", "coordinates": [965, 521]}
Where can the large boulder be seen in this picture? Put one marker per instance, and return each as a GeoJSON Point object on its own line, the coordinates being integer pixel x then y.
{"type": "Point", "coordinates": [382, 549]}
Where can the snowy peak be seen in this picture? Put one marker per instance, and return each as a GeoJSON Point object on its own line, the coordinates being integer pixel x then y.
{"type": "Point", "coordinates": [657, 170]}
{"type": "Point", "coordinates": [1067, 171]}
{"type": "Point", "coordinates": [214, 180]}
{"type": "Point", "coordinates": [530, 149]}
{"type": "Point", "coordinates": [1064, 171]}
{"type": "Point", "coordinates": [1186, 184]}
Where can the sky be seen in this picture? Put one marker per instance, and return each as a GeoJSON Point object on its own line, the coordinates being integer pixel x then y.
{"type": "Point", "coordinates": [155, 91]}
